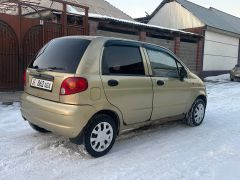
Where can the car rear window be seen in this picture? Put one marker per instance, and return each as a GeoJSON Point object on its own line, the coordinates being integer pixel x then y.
{"type": "Point", "coordinates": [61, 55]}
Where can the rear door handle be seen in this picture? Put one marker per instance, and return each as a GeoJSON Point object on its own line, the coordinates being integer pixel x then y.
{"type": "Point", "coordinates": [113, 83]}
{"type": "Point", "coordinates": [160, 83]}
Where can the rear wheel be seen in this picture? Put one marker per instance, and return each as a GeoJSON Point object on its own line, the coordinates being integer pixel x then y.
{"type": "Point", "coordinates": [38, 129]}
{"type": "Point", "coordinates": [100, 135]}
{"type": "Point", "coordinates": [196, 114]}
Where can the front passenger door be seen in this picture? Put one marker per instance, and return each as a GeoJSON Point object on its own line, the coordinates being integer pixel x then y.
{"type": "Point", "coordinates": [170, 93]}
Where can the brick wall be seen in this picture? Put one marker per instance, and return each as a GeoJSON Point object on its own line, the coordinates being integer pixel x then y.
{"type": "Point", "coordinates": [118, 35]}
{"type": "Point", "coordinates": [162, 42]}
{"type": "Point", "coordinates": [189, 51]}
{"type": "Point", "coordinates": [177, 46]}
{"type": "Point", "coordinates": [188, 54]}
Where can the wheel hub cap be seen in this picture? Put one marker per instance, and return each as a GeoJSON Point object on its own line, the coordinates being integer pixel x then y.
{"type": "Point", "coordinates": [101, 136]}
{"type": "Point", "coordinates": [199, 113]}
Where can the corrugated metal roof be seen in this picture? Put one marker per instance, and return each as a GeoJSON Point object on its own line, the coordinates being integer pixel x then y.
{"type": "Point", "coordinates": [213, 17]}
{"type": "Point", "coordinates": [100, 7]}
{"type": "Point", "coordinates": [103, 7]}
{"type": "Point", "coordinates": [74, 10]}
{"type": "Point", "coordinates": [123, 21]}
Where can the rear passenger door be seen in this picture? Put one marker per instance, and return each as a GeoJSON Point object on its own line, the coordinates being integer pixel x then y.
{"type": "Point", "coordinates": [170, 93]}
{"type": "Point", "coordinates": [125, 82]}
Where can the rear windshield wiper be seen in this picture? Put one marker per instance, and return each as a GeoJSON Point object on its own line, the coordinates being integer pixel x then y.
{"type": "Point", "coordinates": [49, 69]}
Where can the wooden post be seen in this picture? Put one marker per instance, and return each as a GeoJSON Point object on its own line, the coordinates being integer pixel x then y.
{"type": "Point", "coordinates": [86, 22]}
{"type": "Point", "coordinates": [20, 23]}
{"type": "Point", "coordinates": [20, 54]}
{"type": "Point", "coordinates": [64, 18]}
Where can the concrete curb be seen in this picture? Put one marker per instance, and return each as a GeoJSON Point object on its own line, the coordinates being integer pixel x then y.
{"type": "Point", "coordinates": [8, 98]}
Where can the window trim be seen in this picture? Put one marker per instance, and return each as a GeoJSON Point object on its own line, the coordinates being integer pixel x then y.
{"type": "Point", "coordinates": [122, 43]}
{"type": "Point", "coordinates": [159, 49]}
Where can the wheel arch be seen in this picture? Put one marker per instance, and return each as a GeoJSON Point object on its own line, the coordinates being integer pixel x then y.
{"type": "Point", "coordinates": [203, 97]}
{"type": "Point", "coordinates": [111, 113]}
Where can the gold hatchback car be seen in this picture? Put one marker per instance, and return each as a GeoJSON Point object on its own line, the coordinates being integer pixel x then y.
{"type": "Point", "coordinates": [91, 89]}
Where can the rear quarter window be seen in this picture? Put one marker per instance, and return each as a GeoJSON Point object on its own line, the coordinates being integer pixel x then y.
{"type": "Point", "coordinates": [63, 54]}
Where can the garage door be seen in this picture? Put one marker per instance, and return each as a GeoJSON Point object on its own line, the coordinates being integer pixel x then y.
{"type": "Point", "coordinates": [220, 53]}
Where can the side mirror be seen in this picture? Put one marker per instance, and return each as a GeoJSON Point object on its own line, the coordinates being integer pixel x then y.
{"type": "Point", "coordinates": [182, 73]}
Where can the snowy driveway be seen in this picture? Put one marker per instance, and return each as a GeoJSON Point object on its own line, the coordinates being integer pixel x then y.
{"type": "Point", "coordinates": [171, 151]}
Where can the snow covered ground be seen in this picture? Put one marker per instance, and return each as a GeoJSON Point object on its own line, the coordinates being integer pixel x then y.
{"type": "Point", "coordinates": [170, 151]}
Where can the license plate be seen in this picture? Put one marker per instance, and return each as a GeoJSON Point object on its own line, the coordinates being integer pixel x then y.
{"type": "Point", "coordinates": [42, 84]}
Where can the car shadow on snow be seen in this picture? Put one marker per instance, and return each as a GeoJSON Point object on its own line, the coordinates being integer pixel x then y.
{"type": "Point", "coordinates": [63, 146]}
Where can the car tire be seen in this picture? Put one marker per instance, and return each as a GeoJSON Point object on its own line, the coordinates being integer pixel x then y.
{"type": "Point", "coordinates": [38, 129]}
{"type": "Point", "coordinates": [100, 135]}
{"type": "Point", "coordinates": [196, 114]}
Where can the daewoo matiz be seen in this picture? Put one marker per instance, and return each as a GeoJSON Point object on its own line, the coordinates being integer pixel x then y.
{"type": "Point", "coordinates": [91, 89]}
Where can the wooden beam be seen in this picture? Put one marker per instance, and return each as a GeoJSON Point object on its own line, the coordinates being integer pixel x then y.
{"type": "Point", "coordinates": [72, 4]}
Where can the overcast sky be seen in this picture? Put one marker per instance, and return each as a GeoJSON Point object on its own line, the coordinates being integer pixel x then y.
{"type": "Point", "coordinates": [137, 8]}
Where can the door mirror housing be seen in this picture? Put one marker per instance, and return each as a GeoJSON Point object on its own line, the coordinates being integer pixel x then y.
{"type": "Point", "coordinates": [182, 73]}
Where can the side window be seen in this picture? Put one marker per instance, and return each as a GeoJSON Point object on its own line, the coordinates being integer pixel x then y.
{"type": "Point", "coordinates": [122, 60]}
{"type": "Point", "coordinates": [163, 65]}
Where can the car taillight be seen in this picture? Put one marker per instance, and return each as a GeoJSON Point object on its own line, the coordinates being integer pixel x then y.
{"type": "Point", "coordinates": [25, 77]}
{"type": "Point", "coordinates": [73, 85]}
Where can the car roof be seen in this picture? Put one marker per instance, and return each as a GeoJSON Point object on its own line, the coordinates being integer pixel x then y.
{"type": "Point", "coordinates": [103, 38]}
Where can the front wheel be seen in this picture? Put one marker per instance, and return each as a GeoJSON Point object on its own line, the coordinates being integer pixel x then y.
{"type": "Point", "coordinates": [100, 135]}
{"type": "Point", "coordinates": [196, 114]}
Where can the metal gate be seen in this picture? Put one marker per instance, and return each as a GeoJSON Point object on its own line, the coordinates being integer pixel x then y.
{"type": "Point", "coordinates": [51, 31]}
{"type": "Point", "coordinates": [74, 30]}
{"type": "Point", "coordinates": [9, 64]}
{"type": "Point", "coordinates": [32, 42]}
{"type": "Point", "coordinates": [23, 33]}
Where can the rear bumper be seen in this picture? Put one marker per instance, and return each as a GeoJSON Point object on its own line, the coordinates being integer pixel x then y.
{"type": "Point", "coordinates": [62, 119]}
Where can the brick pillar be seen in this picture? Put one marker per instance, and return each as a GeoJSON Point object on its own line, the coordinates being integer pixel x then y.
{"type": "Point", "coordinates": [239, 52]}
{"type": "Point", "coordinates": [142, 36]}
{"type": "Point", "coordinates": [177, 45]}
{"type": "Point", "coordinates": [199, 58]}
{"type": "Point", "coordinates": [93, 27]}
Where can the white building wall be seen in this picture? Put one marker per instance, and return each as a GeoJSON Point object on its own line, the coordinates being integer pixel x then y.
{"type": "Point", "coordinates": [220, 52]}
{"type": "Point", "coordinates": [173, 15]}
